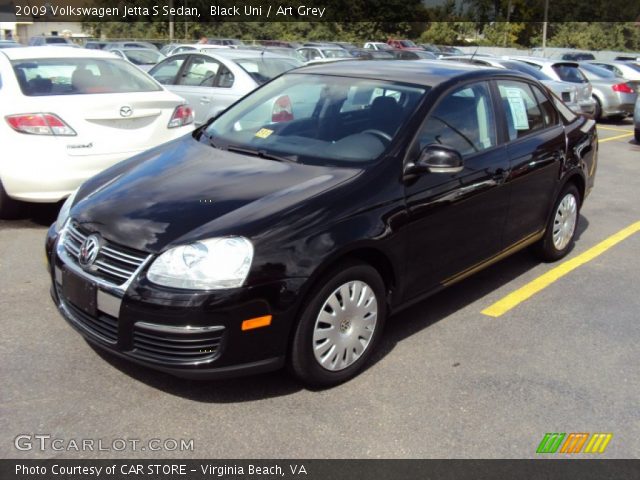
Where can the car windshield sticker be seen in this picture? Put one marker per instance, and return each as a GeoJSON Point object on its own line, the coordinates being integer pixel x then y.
{"type": "Point", "coordinates": [518, 109]}
{"type": "Point", "coordinates": [263, 133]}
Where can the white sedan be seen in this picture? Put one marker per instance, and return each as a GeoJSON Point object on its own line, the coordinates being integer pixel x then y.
{"type": "Point", "coordinates": [67, 114]}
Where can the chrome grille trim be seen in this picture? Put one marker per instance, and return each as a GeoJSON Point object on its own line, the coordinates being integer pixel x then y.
{"type": "Point", "coordinates": [177, 345]}
{"type": "Point", "coordinates": [114, 268]}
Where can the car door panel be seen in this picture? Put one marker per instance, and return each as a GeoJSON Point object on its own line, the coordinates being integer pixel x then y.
{"type": "Point", "coordinates": [537, 151]}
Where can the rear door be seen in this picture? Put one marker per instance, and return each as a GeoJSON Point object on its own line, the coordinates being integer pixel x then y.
{"type": "Point", "coordinates": [536, 147]}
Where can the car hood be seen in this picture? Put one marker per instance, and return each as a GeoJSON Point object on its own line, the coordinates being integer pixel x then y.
{"type": "Point", "coordinates": [185, 190]}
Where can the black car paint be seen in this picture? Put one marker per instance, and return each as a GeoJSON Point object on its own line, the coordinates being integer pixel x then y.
{"type": "Point", "coordinates": [305, 219]}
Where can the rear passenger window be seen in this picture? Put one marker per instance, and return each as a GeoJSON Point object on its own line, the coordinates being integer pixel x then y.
{"type": "Point", "coordinates": [463, 120]}
{"type": "Point", "coordinates": [548, 112]}
{"type": "Point", "coordinates": [521, 109]}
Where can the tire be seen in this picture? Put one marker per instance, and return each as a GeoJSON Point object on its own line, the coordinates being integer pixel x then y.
{"type": "Point", "coordinates": [597, 114]}
{"type": "Point", "coordinates": [9, 208]}
{"type": "Point", "coordinates": [636, 134]}
{"type": "Point", "coordinates": [560, 234]}
{"type": "Point", "coordinates": [337, 357]}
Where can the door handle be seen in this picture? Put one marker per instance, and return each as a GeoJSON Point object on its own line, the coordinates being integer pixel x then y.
{"type": "Point", "coordinates": [205, 99]}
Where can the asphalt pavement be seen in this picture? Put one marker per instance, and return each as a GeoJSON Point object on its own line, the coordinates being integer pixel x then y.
{"type": "Point", "coordinates": [447, 381]}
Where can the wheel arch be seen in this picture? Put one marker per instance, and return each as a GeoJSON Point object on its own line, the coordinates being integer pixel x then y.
{"type": "Point", "coordinates": [367, 254]}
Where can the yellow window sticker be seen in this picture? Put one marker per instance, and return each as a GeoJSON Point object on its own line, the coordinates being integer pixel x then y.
{"type": "Point", "coordinates": [263, 133]}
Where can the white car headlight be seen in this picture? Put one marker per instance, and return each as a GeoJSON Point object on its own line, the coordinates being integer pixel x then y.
{"type": "Point", "coordinates": [63, 215]}
{"type": "Point", "coordinates": [212, 264]}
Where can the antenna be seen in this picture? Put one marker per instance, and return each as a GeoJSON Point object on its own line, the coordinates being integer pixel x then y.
{"type": "Point", "coordinates": [474, 53]}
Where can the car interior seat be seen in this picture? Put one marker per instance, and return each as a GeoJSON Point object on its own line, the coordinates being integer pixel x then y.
{"type": "Point", "coordinates": [385, 115]}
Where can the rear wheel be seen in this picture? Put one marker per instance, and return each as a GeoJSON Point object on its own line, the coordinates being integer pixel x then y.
{"type": "Point", "coordinates": [9, 208]}
{"type": "Point", "coordinates": [597, 114]}
{"type": "Point", "coordinates": [339, 327]}
{"type": "Point", "coordinates": [560, 234]}
{"type": "Point", "coordinates": [636, 134]}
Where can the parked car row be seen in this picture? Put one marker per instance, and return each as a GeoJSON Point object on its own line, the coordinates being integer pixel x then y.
{"type": "Point", "coordinates": [89, 92]}
{"type": "Point", "coordinates": [600, 89]}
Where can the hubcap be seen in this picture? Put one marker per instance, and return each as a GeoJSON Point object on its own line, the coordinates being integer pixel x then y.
{"type": "Point", "coordinates": [345, 325]}
{"type": "Point", "coordinates": [564, 223]}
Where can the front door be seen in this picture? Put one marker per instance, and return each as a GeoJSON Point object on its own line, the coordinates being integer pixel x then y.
{"type": "Point", "coordinates": [456, 219]}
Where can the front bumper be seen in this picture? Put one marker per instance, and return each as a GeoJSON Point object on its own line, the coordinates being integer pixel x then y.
{"type": "Point", "coordinates": [187, 334]}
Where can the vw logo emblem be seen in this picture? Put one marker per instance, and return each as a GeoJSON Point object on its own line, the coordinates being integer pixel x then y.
{"type": "Point", "coordinates": [89, 250]}
{"type": "Point", "coordinates": [126, 111]}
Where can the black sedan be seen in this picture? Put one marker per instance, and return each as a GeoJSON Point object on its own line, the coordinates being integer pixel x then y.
{"type": "Point", "coordinates": [289, 228]}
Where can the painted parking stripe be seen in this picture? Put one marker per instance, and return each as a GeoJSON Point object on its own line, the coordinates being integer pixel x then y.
{"type": "Point", "coordinates": [617, 137]}
{"type": "Point", "coordinates": [613, 129]}
{"type": "Point", "coordinates": [512, 300]}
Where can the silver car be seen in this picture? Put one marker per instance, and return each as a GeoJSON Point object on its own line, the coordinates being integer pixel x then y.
{"type": "Point", "coordinates": [566, 91]}
{"type": "Point", "coordinates": [614, 97]}
{"type": "Point", "coordinates": [313, 54]}
{"type": "Point", "coordinates": [210, 81]}
{"type": "Point", "coordinates": [565, 71]}
{"type": "Point", "coordinates": [626, 70]}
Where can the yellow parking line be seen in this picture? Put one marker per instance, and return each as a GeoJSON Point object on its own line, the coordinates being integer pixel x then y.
{"type": "Point", "coordinates": [608, 139]}
{"type": "Point", "coordinates": [515, 298]}
{"type": "Point", "coordinates": [613, 129]}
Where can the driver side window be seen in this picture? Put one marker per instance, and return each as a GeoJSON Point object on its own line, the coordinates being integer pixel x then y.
{"type": "Point", "coordinates": [463, 120]}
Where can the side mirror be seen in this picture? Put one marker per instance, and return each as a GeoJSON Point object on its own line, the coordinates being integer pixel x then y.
{"type": "Point", "coordinates": [436, 159]}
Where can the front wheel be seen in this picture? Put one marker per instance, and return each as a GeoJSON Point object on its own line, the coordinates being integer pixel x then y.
{"type": "Point", "coordinates": [560, 234]}
{"type": "Point", "coordinates": [339, 327]}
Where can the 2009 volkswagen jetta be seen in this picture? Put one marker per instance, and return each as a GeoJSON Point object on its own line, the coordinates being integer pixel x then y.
{"type": "Point", "coordinates": [289, 228]}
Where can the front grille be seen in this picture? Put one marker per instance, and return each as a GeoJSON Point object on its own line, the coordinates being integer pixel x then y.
{"type": "Point", "coordinates": [114, 263]}
{"type": "Point", "coordinates": [566, 97]}
{"type": "Point", "coordinates": [104, 326]}
{"type": "Point", "coordinates": [175, 346]}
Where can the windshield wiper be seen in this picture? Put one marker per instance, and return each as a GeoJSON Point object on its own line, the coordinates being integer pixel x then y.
{"type": "Point", "coordinates": [209, 138]}
{"type": "Point", "coordinates": [260, 153]}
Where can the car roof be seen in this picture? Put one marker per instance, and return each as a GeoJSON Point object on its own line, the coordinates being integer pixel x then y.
{"type": "Point", "coordinates": [418, 72]}
{"type": "Point", "coordinates": [26, 53]}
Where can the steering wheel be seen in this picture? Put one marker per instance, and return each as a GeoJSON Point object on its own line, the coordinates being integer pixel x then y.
{"type": "Point", "coordinates": [378, 133]}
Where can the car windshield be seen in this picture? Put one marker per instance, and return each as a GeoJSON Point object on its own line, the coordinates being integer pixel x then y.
{"type": "Point", "coordinates": [143, 57]}
{"type": "Point", "coordinates": [317, 119]}
{"type": "Point", "coordinates": [264, 69]}
{"type": "Point", "coordinates": [407, 43]}
{"type": "Point", "coordinates": [77, 76]}
{"type": "Point", "coordinates": [569, 73]}
{"type": "Point", "coordinates": [524, 68]}
{"type": "Point", "coordinates": [597, 72]}
{"type": "Point", "coordinates": [634, 66]}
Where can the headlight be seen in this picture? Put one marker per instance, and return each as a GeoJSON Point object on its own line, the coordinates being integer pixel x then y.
{"type": "Point", "coordinates": [63, 215]}
{"type": "Point", "coordinates": [215, 263]}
